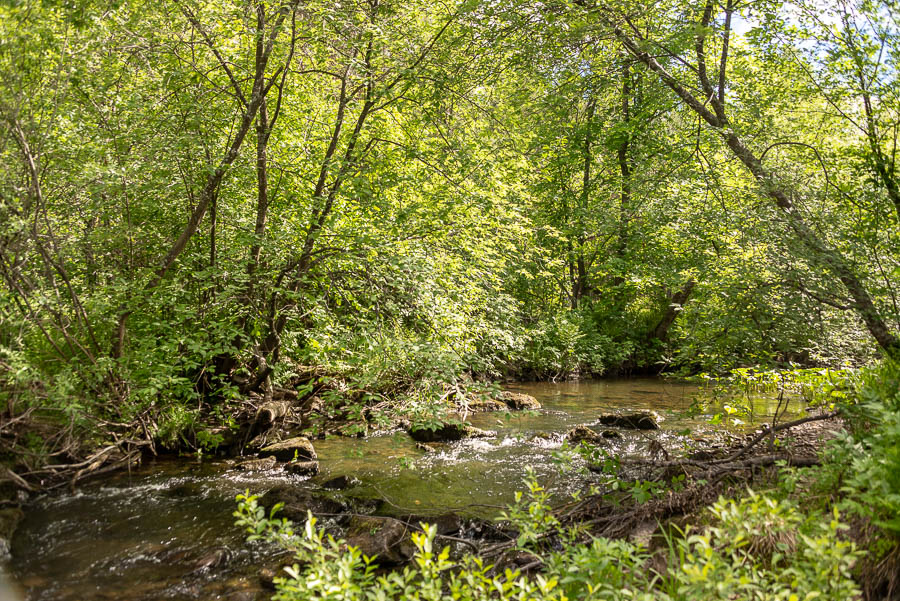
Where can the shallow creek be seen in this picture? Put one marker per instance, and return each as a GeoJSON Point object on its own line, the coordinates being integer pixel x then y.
{"type": "Point", "coordinates": [148, 534]}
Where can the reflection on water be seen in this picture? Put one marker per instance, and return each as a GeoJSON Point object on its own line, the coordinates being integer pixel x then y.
{"type": "Point", "coordinates": [153, 534]}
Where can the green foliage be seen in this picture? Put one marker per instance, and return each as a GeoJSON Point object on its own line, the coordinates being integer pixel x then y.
{"type": "Point", "coordinates": [449, 192]}
{"type": "Point", "coordinates": [762, 548]}
{"type": "Point", "coordinates": [862, 465]}
{"type": "Point", "coordinates": [571, 344]}
{"type": "Point", "coordinates": [758, 548]}
{"type": "Point", "coordinates": [326, 569]}
{"type": "Point", "coordinates": [531, 516]}
{"type": "Point", "coordinates": [865, 464]}
{"type": "Point", "coordinates": [821, 387]}
{"type": "Point", "coordinates": [603, 569]}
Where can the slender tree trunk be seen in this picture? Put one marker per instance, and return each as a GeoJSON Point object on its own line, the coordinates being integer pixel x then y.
{"type": "Point", "coordinates": [262, 188]}
{"type": "Point", "coordinates": [624, 162]}
{"type": "Point", "coordinates": [676, 301]}
{"type": "Point", "coordinates": [213, 222]}
{"type": "Point", "coordinates": [827, 258]}
{"type": "Point", "coordinates": [580, 283]}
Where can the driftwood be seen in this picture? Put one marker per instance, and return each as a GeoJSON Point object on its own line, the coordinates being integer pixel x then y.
{"type": "Point", "coordinates": [270, 412]}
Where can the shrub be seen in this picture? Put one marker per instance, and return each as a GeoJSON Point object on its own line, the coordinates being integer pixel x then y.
{"type": "Point", "coordinates": [762, 548]}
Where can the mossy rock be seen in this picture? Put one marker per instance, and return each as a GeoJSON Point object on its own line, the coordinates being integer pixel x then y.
{"type": "Point", "coordinates": [302, 468]}
{"type": "Point", "coordinates": [641, 420]}
{"type": "Point", "coordinates": [257, 465]}
{"type": "Point", "coordinates": [386, 539]}
{"type": "Point", "coordinates": [584, 434]}
{"type": "Point", "coordinates": [519, 400]}
{"type": "Point", "coordinates": [448, 432]}
{"type": "Point", "coordinates": [486, 405]}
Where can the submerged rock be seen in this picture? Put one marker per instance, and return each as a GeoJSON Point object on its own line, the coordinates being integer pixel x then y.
{"type": "Point", "coordinates": [641, 420]}
{"type": "Point", "coordinates": [387, 539]}
{"type": "Point", "coordinates": [299, 448]}
{"type": "Point", "coordinates": [518, 400]}
{"type": "Point", "coordinates": [252, 465]}
{"type": "Point", "coordinates": [297, 501]}
{"type": "Point", "coordinates": [185, 490]}
{"type": "Point", "coordinates": [302, 468]}
{"type": "Point", "coordinates": [584, 434]}
{"type": "Point", "coordinates": [340, 482]}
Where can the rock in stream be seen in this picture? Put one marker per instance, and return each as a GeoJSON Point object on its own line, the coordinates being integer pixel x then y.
{"type": "Point", "coordinates": [641, 420]}
{"type": "Point", "coordinates": [519, 401]}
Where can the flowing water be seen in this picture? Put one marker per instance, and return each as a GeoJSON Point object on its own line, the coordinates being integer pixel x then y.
{"type": "Point", "coordinates": [153, 533]}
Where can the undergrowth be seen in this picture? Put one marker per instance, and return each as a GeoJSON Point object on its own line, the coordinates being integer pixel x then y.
{"type": "Point", "coordinates": [758, 548]}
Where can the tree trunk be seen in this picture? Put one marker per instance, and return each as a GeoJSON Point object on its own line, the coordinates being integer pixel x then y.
{"type": "Point", "coordinates": [624, 173]}
{"type": "Point", "coordinates": [676, 301]}
{"type": "Point", "coordinates": [580, 277]}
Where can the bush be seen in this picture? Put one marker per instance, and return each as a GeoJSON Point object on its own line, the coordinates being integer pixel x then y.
{"type": "Point", "coordinates": [762, 548]}
{"type": "Point", "coordinates": [867, 461]}
{"type": "Point", "coordinates": [571, 343]}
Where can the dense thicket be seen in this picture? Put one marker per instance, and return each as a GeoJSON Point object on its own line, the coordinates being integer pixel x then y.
{"type": "Point", "coordinates": [199, 197]}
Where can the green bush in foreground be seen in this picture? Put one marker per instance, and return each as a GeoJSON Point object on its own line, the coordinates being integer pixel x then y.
{"type": "Point", "coordinates": [763, 548]}
{"type": "Point", "coordinates": [871, 455]}
{"type": "Point", "coordinates": [758, 548]}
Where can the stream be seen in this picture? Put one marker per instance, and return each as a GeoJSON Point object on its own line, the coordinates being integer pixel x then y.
{"type": "Point", "coordinates": [151, 534]}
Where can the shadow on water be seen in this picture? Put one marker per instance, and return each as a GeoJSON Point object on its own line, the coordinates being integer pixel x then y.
{"type": "Point", "coordinates": [166, 531]}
